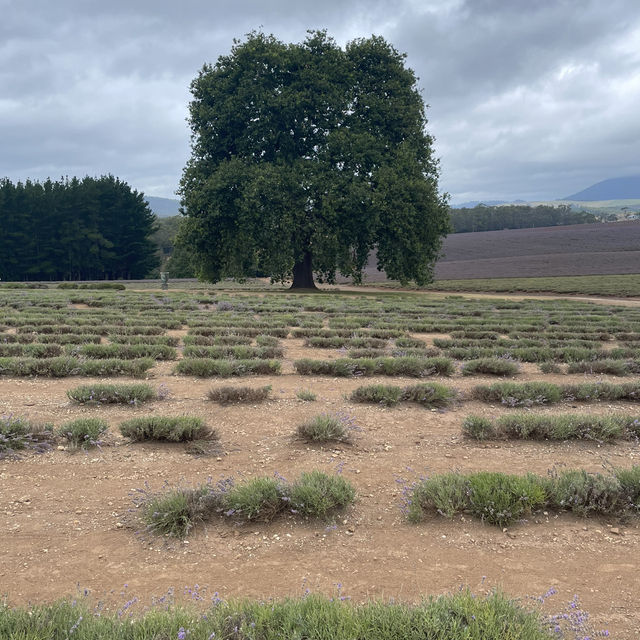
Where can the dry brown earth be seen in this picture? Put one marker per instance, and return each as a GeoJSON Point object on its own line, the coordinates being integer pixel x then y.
{"type": "Point", "coordinates": [66, 517]}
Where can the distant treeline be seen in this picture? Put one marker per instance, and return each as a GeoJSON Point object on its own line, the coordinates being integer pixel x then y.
{"type": "Point", "coordinates": [89, 229]}
{"type": "Point", "coordinates": [484, 218]}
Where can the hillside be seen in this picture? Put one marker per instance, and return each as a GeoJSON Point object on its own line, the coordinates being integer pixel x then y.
{"type": "Point", "coordinates": [627, 188]}
{"type": "Point", "coordinates": [587, 249]}
{"type": "Point", "coordinates": [163, 207]}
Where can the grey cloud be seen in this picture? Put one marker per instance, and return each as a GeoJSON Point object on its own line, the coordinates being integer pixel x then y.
{"type": "Point", "coordinates": [528, 99]}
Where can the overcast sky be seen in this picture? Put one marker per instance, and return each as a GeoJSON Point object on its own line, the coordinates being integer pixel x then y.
{"type": "Point", "coordinates": [528, 99]}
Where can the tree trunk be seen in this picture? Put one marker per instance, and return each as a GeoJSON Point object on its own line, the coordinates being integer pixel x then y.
{"type": "Point", "coordinates": [303, 274]}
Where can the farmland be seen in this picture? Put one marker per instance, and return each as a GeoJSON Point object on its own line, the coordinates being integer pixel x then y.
{"type": "Point", "coordinates": [366, 398]}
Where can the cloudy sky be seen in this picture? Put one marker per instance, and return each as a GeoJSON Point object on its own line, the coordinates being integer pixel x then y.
{"type": "Point", "coordinates": [531, 100]}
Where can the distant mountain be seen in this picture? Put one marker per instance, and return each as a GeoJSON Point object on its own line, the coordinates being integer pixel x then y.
{"type": "Point", "coordinates": [163, 207]}
{"type": "Point", "coordinates": [475, 203]}
{"type": "Point", "coordinates": [613, 189]}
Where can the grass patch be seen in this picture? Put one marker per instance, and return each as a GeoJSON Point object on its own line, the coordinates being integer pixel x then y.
{"type": "Point", "coordinates": [17, 434]}
{"type": "Point", "coordinates": [527, 426]}
{"type": "Point", "coordinates": [610, 367]}
{"type": "Point", "coordinates": [457, 616]}
{"type": "Point", "coordinates": [206, 368]}
{"type": "Point", "coordinates": [175, 512]}
{"type": "Point", "coordinates": [324, 428]}
{"type": "Point", "coordinates": [237, 395]}
{"type": "Point", "coordinates": [490, 366]}
{"type": "Point", "coordinates": [350, 367]}
{"type": "Point", "coordinates": [167, 429]}
{"type": "Point", "coordinates": [112, 393]}
{"type": "Point", "coordinates": [84, 432]}
{"type": "Point", "coordinates": [513, 394]}
{"type": "Point", "coordinates": [306, 395]}
{"type": "Point", "coordinates": [503, 499]}
{"type": "Point", "coordinates": [427, 394]}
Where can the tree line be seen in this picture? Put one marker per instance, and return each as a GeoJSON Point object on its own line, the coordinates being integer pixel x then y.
{"type": "Point", "coordinates": [485, 218]}
{"type": "Point", "coordinates": [71, 229]}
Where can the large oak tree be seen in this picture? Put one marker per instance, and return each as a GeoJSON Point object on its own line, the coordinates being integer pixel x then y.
{"type": "Point", "coordinates": [306, 158]}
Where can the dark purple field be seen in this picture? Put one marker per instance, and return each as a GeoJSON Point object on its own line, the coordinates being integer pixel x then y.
{"type": "Point", "coordinates": [583, 249]}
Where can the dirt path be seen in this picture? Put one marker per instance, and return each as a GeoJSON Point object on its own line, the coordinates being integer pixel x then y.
{"type": "Point", "coordinates": [67, 517]}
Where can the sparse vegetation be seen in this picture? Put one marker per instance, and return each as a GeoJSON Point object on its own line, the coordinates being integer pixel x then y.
{"type": "Point", "coordinates": [236, 395]}
{"type": "Point", "coordinates": [324, 428]}
{"type": "Point", "coordinates": [84, 432]}
{"type": "Point", "coordinates": [169, 429]}
{"type": "Point", "coordinates": [112, 393]}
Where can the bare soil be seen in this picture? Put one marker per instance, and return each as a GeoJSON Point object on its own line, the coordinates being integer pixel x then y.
{"type": "Point", "coordinates": [66, 517]}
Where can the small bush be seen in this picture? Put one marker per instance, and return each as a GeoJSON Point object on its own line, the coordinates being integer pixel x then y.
{"type": "Point", "coordinates": [478, 428]}
{"type": "Point", "coordinates": [586, 493]}
{"type": "Point", "coordinates": [324, 428]}
{"type": "Point", "coordinates": [611, 367]}
{"type": "Point", "coordinates": [447, 494]}
{"type": "Point", "coordinates": [236, 395]}
{"type": "Point", "coordinates": [598, 391]}
{"type": "Point", "coordinates": [502, 499]}
{"type": "Point", "coordinates": [348, 367]}
{"type": "Point", "coordinates": [514, 394]}
{"type": "Point", "coordinates": [490, 366]}
{"type": "Point", "coordinates": [306, 395]}
{"type": "Point", "coordinates": [316, 494]}
{"type": "Point", "coordinates": [383, 394]}
{"type": "Point", "coordinates": [112, 393]}
{"type": "Point", "coordinates": [550, 367]}
{"type": "Point", "coordinates": [429, 394]}
{"type": "Point", "coordinates": [17, 434]}
{"type": "Point", "coordinates": [205, 368]}
{"type": "Point", "coordinates": [258, 499]}
{"type": "Point", "coordinates": [175, 512]}
{"type": "Point", "coordinates": [84, 432]}
{"type": "Point", "coordinates": [169, 429]}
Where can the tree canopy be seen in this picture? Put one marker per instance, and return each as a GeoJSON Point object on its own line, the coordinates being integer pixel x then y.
{"type": "Point", "coordinates": [87, 229]}
{"type": "Point", "coordinates": [305, 158]}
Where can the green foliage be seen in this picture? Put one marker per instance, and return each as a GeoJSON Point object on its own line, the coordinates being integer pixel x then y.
{"type": "Point", "coordinates": [478, 428]}
{"type": "Point", "coordinates": [456, 616]}
{"type": "Point", "coordinates": [349, 367]}
{"type": "Point", "coordinates": [316, 494]}
{"type": "Point", "coordinates": [112, 393]}
{"type": "Point", "coordinates": [496, 218]}
{"type": "Point", "coordinates": [257, 499]}
{"type": "Point", "coordinates": [89, 229]}
{"type": "Point", "coordinates": [83, 432]}
{"type": "Point", "coordinates": [205, 368]}
{"type": "Point", "coordinates": [236, 395]}
{"type": "Point", "coordinates": [513, 394]}
{"type": "Point", "coordinates": [66, 366]}
{"type": "Point", "coordinates": [383, 394]}
{"type": "Point", "coordinates": [18, 433]}
{"type": "Point", "coordinates": [295, 146]}
{"type": "Point", "coordinates": [491, 366]}
{"type": "Point", "coordinates": [306, 395]}
{"type": "Point", "coordinates": [502, 499]}
{"type": "Point", "coordinates": [169, 429]}
{"type": "Point", "coordinates": [324, 428]}
{"type": "Point", "coordinates": [611, 367]}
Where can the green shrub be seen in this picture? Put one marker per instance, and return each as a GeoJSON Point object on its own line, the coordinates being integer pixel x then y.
{"type": "Point", "coordinates": [490, 366]}
{"type": "Point", "coordinates": [446, 494]}
{"type": "Point", "coordinates": [17, 434]}
{"type": "Point", "coordinates": [383, 394]}
{"type": "Point", "coordinates": [169, 429]}
{"type": "Point", "coordinates": [306, 395]}
{"type": "Point", "coordinates": [502, 499]}
{"type": "Point", "coordinates": [125, 351]}
{"type": "Point", "coordinates": [175, 512]}
{"type": "Point", "coordinates": [316, 494]}
{"type": "Point", "coordinates": [598, 391]}
{"type": "Point", "coordinates": [586, 493]}
{"type": "Point", "coordinates": [559, 427]}
{"type": "Point", "coordinates": [478, 428]}
{"type": "Point", "coordinates": [112, 393]}
{"type": "Point", "coordinates": [550, 367]}
{"type": "Point", "coordinates": [629, 480]}
{"type": "Point", "coordinates": [347, 367]}
{"type": "Point", "coordinates": [257, 499]}
{"type": "Point", "coordinates": [83, 432]}
{"type": "Point", "coordinates": [429, 394]}
{"type": "Point", "coordinates": [513, 394]}
{"type": "Point", "coordinates": [611, 367]}
{"type": "Point", "coordinates": [236, 395]}
{"type": "Point", "coordinates": [324, 428]}
{"type": "Point", "coordinates": [225, 368]}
